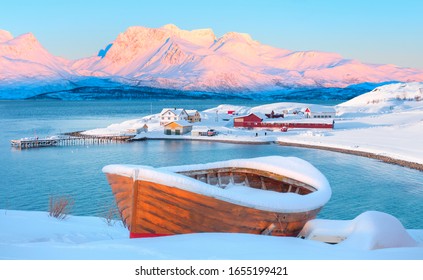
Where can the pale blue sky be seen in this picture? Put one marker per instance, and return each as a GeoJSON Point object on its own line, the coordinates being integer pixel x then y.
{"type": "Point", "coordinates": [373, 31]}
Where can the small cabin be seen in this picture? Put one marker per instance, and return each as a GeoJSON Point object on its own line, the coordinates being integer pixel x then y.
{"type": "Point", "coordinates": [138, 130]}
{"type": "Point", "coordinates": [199, 131]}
{"type": "Point", "coordinates": [177, 127]}
{"type": "Point", "coordinates": [168, 115]}
{"type": "Point", "coordinates": [193, 116]}
{"type": "Point", "coordinates": [249, 120]}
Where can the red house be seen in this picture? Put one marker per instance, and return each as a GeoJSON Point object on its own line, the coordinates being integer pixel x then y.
{"type": "Point", "coordinates": [251, 120]}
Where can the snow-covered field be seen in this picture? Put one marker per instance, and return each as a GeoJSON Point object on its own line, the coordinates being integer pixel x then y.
{"type": "Point", "coordinates": [387, 121]}
{"type": "Point", "coordinates": [35, 235]}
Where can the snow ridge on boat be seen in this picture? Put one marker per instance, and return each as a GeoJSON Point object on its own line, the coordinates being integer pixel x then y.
{"type": "Point", "coordinates": [266, 195]}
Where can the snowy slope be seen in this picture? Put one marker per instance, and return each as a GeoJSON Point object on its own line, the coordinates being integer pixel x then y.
{"type": "Point", "coordinates": [388, 98]}
{"type": "Point", "coordinates": [27, 67]}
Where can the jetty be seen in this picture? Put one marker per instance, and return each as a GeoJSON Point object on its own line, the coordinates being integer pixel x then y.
{"type": "Point", "coordinates": [68, 139]}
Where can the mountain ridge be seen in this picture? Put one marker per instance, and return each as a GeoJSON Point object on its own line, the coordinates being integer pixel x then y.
{"type": "Point", "coordinates": [172, 58]}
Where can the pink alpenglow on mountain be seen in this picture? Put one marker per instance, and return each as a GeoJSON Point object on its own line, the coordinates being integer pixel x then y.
{"type": "Point", "coordinates": [171, 58]}
{"type": "Point", "coordinates": [27, 68]}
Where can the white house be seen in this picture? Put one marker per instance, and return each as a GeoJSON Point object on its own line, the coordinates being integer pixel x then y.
{"type": "Point", "coordinates": [170, 115]}
{"type": "Point", "coordinates": [319, 112]}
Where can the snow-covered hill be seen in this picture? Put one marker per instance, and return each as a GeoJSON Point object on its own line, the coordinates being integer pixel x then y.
{"type": "Point", "coordinates": [186, 61]}
{"type": "Point", "coordinates": [385, 99]}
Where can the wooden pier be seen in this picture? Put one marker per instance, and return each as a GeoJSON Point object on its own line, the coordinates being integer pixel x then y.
{"type": "Point", "coordinates": [70, 139]}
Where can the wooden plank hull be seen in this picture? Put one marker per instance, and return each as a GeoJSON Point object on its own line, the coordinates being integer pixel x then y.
{"type": "Point", "coordinates": [151, 209]}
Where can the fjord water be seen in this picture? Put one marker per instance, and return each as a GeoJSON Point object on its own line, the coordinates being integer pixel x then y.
{"type": "Point", "coordinates": [29, 177]}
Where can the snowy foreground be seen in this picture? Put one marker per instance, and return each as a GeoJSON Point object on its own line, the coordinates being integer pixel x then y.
{"type": "Point", "coordinates": [387, 121]}
{"type": "Point", "coordinates": [34, 235]}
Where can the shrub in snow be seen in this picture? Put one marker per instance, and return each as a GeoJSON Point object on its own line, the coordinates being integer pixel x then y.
{"type": "Point", "coordinates": [59, 207]}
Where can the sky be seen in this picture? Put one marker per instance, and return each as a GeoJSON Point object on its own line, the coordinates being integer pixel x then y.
{"type": "Point", "coordinates": [377, 31]}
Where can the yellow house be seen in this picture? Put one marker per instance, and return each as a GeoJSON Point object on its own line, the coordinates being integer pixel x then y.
{"type": "Point", "coordinates": [177, 128]}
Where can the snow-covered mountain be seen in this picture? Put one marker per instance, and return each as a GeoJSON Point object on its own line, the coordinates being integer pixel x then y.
{"type": "Point", "coordinates": [27, 68]}
{"type": "Point", "coordinates": [186, 61]}
{"type": "Point", "coordinates": [169, 57]}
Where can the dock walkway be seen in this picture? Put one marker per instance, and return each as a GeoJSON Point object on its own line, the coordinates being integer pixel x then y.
{"type": "Point", "coordinates": [70, 139]}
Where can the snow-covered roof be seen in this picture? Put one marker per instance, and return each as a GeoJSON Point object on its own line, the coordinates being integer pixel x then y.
{"type": "Point", "coordinates": [258, 114]}
{"type": "Point", "coordinates": [180, 122]}
{"type": "Point", "coordinates": [300, 120]}
{"type": "Point", "coordinates": [290, 167]}
{"type": "Point", "coordinates": [191, 112]}
{"type": "Point", "coordinates": [320, 108]}
{"type": "Point", "coordinates": [177, 112]}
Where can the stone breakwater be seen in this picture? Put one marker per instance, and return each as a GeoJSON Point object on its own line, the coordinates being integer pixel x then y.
{"type": "Point", "coordinates": [413, 165]}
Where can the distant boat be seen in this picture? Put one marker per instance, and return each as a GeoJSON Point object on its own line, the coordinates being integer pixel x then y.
{"type": "Point", "coordinates": [268, 195]}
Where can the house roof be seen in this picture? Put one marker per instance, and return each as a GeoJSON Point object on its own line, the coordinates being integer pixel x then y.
{"type": "Point", "coordinates": [177, 112]}
{"type": "Point", "coordinates": [191, 112]}
{"type": "Point", "coordinates": [319, 109]}
{"type": "Point", "coordinates": [259, 115]}
{"type": "Point", "coordinates": [181, 123]}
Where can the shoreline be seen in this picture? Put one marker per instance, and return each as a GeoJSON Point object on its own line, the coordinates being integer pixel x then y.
{"type": "Point", "coordinates": [386, 159]}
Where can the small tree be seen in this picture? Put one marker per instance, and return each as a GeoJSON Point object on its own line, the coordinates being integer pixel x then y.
{"type": "Point", "coordinates": [59, 207]}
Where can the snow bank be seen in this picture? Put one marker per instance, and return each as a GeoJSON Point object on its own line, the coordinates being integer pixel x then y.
{"type": "Point", "coordinates": [291, 167]}
{"type": "Point", "coordinates": [368, 231]}
{"type": "Point", "coordinates": [28, 235]}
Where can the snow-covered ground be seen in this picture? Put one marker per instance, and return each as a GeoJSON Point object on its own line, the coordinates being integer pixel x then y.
{"type": "Point", "coordinates": [387, 121]}
{"type": "Point", "coordinates": [35, 235]}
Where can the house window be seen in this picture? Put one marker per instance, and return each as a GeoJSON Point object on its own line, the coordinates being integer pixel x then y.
{"type": "Point", "coordinates": [177, 132]}
{"type": "Point", "coordinates": [168, 118]}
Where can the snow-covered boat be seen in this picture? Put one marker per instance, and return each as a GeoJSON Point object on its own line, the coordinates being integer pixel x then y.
{"type": "Point", "coordinates": [267, 195]}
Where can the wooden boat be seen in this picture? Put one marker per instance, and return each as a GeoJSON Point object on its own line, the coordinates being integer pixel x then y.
{"type": "Point", "coordinates": [268, 195]}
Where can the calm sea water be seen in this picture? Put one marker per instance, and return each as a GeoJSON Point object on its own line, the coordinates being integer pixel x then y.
{"type": "Point", "coordinates": [29, 177]}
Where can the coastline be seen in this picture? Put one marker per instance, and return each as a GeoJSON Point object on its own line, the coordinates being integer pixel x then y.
{"type": "Point", "coordinates": [386, 159]}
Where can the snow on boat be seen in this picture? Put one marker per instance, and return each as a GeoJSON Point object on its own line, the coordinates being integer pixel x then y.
{"type": "Point", "coordinates": [267, 195]}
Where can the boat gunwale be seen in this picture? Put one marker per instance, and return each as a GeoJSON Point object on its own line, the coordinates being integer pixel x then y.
{"type": "Point", "coordinates": [258, 172]}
